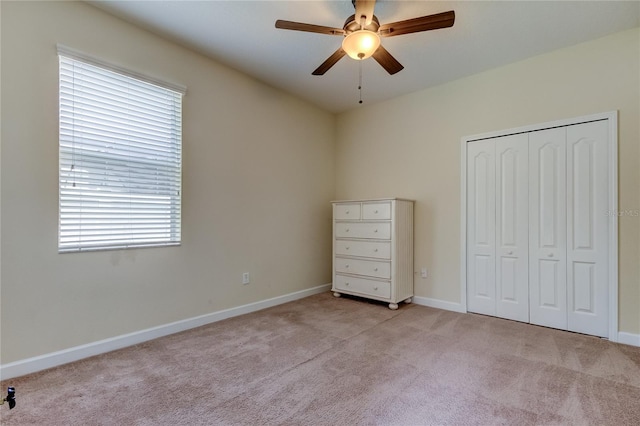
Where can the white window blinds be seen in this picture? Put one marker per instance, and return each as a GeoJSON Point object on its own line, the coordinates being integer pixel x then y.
{"type": "Point", "coordinates": [120, 160]}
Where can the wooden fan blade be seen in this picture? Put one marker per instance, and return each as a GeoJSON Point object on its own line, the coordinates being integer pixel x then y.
{"type": "Point", "coordinates": [423, 23]}
{"type": "Point", "coordinates": [331, 61]}
{"type": "Point", "coordinates": [388, 62]}
{"type": "Point", "coordinates": [310, 28]}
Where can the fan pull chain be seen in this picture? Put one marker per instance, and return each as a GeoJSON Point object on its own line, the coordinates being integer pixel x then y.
{"type": "Point", "coordinates": [360, 79]}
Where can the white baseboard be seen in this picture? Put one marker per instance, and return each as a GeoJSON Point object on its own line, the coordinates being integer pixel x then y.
{"type": "Point", "coordinates": [54, 359]}
{"type": "Point", "coordinates": [439, 304]}
{"type": "Point", "coordinates": [623, 337]}
{"type": "Point", "coordinates": [629, 338]}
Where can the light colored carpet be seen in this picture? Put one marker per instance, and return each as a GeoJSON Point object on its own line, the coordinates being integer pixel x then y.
{"type": "Point", "coordinates": [328, 361]}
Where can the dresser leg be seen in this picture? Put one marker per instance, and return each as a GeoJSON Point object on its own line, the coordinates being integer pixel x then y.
{"type": "Point", "coordinates": [336, 294]}
{"type": "Point", "coordinates": [409, 300]}
{"type": "Point", "coordinates": [393, 306]}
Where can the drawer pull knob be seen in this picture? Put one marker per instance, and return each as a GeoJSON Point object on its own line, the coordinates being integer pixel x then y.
{"type": "Point", "coordinates": [346, 283]}
{"type": "Point", "coordinates": [376, 212]}
{"type": "Point", "coordinates": [375, 288]}
{"type": "Point", "coordinates": [347, 212]}
{"type": "Point", "coordinates": [346, 266]}
{"type": "Point", "coordinates": [375, 231]}
{"type": "Point", "coordinates": [346, 230]}
{"type": "Point", "coordinates": [375, 269]}
{"type": "Point", "coordinates": [346, 248]}
{"type": "Point", "coordinates": [375, 250]}
{"type": "Point", "coordinates": [550, 255]}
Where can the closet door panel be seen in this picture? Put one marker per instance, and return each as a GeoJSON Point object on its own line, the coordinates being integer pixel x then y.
{"type": "Point", "coordinates": [587, 228]}
{"type": "Point", "coordinates": [512, 227]}
{"type": "Point", "coordinates": [481, 227]}
{"type": "Point", "coordinates": [547, 230]}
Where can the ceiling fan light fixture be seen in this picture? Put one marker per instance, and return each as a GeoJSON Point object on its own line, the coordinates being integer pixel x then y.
{"type": "Point", "coordinates": [361, 44]}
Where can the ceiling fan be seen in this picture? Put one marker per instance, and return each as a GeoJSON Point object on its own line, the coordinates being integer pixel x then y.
{"type": "Point", "coordinates": [362, 32]}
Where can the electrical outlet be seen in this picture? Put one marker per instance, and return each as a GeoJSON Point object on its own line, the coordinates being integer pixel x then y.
{"type": "Point", "coordinates": [423, 272]}
{"type": "Point", "coordinates": [245, 278]}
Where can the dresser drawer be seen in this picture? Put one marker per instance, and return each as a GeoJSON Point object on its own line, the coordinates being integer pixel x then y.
{"type": "Point", "coordinates": [380, 231]}
{"type": "Point", "coordinates": [346, 211]}
{"type": "Point", "coordinates": [374, 249]}
{"type": "Point", "coordinates": [369, 268]}
{"type": "Point", "coordinates": [376, 211]}
{"type": "Point", "coordinates": [362, 286]}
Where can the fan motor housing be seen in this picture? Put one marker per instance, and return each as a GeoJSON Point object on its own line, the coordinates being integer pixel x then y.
{"type": "Point", "coordinates": [351, 25]}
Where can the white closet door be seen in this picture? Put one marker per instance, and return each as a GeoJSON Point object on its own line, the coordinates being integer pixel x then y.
{"type": "Point", "coordinates": [481, 227]}
{"type": "Point", "coordinates": [512, 227]}
{"type": "Point", "coordinates": [547, 228]}
{"type": "Point", "coordinates": [587, 228]}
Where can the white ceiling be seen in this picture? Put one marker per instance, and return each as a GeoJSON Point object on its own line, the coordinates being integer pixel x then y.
{"type": "Point", "coordinates": [486, 34]}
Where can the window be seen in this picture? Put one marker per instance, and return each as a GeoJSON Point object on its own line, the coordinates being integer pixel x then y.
{"type": "Point", "coordinates": [120, 158]}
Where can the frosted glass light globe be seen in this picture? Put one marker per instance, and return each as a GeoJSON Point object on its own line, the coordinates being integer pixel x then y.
{"type": "Point", "coordinates": [361, 44]}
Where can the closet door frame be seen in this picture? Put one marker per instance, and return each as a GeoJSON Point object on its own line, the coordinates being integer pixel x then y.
{"type": "Point", "coordinates": [612, 206]}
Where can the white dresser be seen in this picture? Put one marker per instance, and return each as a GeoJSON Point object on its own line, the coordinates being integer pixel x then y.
{"type": "Point", "coordinates": [373, 249]}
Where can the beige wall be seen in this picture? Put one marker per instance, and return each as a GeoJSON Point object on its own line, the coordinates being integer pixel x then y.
{"type": "Point", "coordinates": [410, 147]}
{"type": "Point", "coordinates": [258, 175]}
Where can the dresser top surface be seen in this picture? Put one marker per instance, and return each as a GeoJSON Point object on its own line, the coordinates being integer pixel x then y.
{"type": "Point", "coordinates": [371, 200]}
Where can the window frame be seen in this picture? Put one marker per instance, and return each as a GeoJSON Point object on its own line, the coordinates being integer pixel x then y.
{"type": "Point", "coordinates": [132, 183]}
